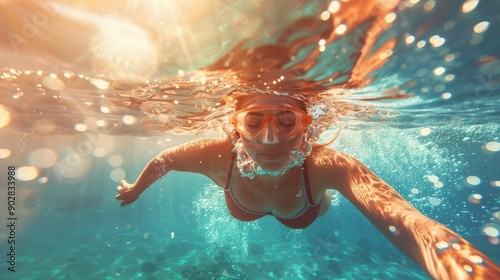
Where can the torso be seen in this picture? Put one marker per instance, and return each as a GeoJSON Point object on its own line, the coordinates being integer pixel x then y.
{"type": "Point", "coordinates": [282, 196]}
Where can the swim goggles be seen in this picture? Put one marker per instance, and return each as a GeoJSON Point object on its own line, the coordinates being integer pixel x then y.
{"type": "Point", "coordinates": [250, 122]}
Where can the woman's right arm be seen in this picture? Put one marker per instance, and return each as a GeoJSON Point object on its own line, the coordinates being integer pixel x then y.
{"type": "Point", "coordinates": [204, 156]}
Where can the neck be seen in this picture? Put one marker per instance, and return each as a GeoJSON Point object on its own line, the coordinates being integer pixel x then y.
{"type": "Point", "coordinates": [248, 168]}
{"type": "Point", "coordinates": [273, 180]}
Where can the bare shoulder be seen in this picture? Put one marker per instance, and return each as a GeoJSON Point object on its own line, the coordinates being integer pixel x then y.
{"type": "Point", "coordinates": [209, 147]}
{"type": "Point", "coordinates": [330, 168]}
{"type": "Point", "coordinates": [322, 157]}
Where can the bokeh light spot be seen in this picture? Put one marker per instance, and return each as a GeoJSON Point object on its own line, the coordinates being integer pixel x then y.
{"type": "Point", "coordinates": [99, 152]}
{"type": "Point", "coordinates": [438, 184]}
{"type": "Point", "coordinates": [492, 146]}
{"type": "Point", "coordinates": [334, 7]}
{"type": "Point", "coordinates": [390, 17]}
{"type": "Point", "coordinates": [425, 131]}
{"type": "Point", "coordinates": [27, 173]}
{"type": "Point", "coordinates": [341, 29]}
{"type": "Point", "coordinates": [118, 174]}
{"type": "Point", "coordinates": [469, 5]}
{"type": "Point", "coordinates": [5, 153]}
{"type": "Point", "coordinates": [4, 117]}
{"type": "Point", "coordinates": [128, 119]}
{"type": "Point", "coordinates": [446, 95]}
{"type": "Point", "coordinates": [468, 268]}
{"type": "Point", "coordinates": [441, 245]}
{"type": "Point", "coordinates": [53, 83]}
{"type": "Point", "coordinates": [80, 127]}
{"type": "Point", "coordinates": [434, 201]}
{"type": "Point", "coordinates": [43, 180]}
{"type": "Point", "coordinates": [115, 160]}
{"type": "Point", "coordinates": [100, 84]}
{"type": "Point", "coordinates": [439, 71]}
{"type": "Point", "coordinates": [325, 15]}
{"type": "Point", "coordinates": [491, 230]}
{"type": "Point", "coordinates": [475, 198]}
{"type": "Point", "coordinates": [433, 178]}
{"type": "Point", "coordinates": [496, 215]}
{"type": "Point", "coordinates": [42, 158]}
{"type": "Point", "coordinates": [481, 27]}
{"type": "Point", "coordinates": [473, 180]}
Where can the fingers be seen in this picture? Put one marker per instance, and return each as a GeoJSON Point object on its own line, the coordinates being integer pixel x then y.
{"type": "Point", "coordinates": [123, 193]}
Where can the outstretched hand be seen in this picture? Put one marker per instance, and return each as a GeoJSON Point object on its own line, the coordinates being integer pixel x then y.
{"type": "Point", "coordinates": [127, 193]}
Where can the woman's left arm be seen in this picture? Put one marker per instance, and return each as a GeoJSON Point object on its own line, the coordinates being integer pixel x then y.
{"type": "Point", "coordinates": [436, 248]}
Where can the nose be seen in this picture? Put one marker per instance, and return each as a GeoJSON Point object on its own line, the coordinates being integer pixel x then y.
{"type": "Point", "coordinates": [271, 135]}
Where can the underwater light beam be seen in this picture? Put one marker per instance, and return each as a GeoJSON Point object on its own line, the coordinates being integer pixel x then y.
{"type": "Point", "coordinates": [120, 48]}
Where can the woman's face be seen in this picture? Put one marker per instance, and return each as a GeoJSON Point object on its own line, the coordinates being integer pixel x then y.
{"type": "Point", "coordinates": [271, 148]}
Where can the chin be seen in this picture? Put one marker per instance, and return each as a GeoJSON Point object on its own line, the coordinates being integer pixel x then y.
{"type": "Point", "coordinates": [273, 166]}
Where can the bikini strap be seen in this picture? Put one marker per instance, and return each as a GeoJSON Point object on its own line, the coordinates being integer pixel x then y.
{"type": "Point", "coordinates": [230, 173]}
{"type": "Point", "coordinates": [307, 187]}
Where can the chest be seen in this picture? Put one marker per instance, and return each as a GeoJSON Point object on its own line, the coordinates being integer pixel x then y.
{"type": "Point", "coordinates": [284, 196]}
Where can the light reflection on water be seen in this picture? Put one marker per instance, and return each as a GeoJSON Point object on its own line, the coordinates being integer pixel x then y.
{"type": "Point", "coordinates": [424, 72]}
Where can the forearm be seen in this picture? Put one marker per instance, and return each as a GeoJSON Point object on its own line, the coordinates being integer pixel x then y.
{"type": "Point", "coordinates": [444, 254]}
{"type": "Point", "coordinates": [153, 171]}
{"type": "Point", "coordinates": [438, 250]}
{"type": "Point", "coordinates": [201, 156]}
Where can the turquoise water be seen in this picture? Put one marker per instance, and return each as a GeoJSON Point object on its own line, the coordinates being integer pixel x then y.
{"type": "Point", "coordinates": [89, 119]}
